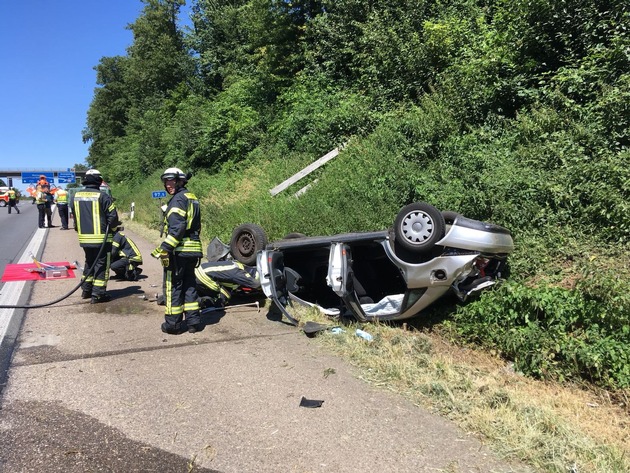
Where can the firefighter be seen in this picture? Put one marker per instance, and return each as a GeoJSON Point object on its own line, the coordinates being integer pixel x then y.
{"type": "Point", "coordinates": [126, 257]}
{"type": "Point", "coordinates": [180, 253]}
{"type": "Point", "coordinates": [13, 200]}
{"type": "Point", "coordinates": [94, 211]}
{"type": "Point", "coordinates": [61, 198]}
{"type": "Point", "coordinates": [217, 280]}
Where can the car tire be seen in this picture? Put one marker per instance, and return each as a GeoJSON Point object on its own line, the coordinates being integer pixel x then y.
{"type": "Point", "coordinates": [3, 203]}
{"type": "Point", "coordinates": [418, 227]}
{"type": "Point", "coordinates": [247, 240]}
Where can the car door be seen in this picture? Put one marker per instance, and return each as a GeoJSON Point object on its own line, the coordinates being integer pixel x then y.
{"type": "Point", "coordinates": [273, 280]}
{"type": "Point", "coordinates": [341, 278]}
{"type": "Point", "coordinates": [337, 277]}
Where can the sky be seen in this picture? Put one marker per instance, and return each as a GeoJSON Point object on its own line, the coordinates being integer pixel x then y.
{"type": "Point", "coordinates": [48, 51]}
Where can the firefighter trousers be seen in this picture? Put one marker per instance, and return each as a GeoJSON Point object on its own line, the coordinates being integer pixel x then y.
{"type": "Point", "coordinates": [13, 204]}
{"type": "Point", "coordinates": [180, 292]}
{"type": "Point", "coordinates": [124, 268]}
{"type": "Point", "coordinates": [63, 214]}
{"type": "Point", "coordinates": [96, 283]}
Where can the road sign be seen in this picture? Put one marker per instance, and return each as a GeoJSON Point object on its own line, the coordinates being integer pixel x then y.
{"type": "Point", "coordinates": [33, 177]}
{"type": "Point", "coordinates": [66, 177]}
{"type": "Point", "coordinates": [158, 194]}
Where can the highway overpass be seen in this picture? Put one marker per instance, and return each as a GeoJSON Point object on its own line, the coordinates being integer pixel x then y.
{"type": "Point", "coordinates": [13, 176]}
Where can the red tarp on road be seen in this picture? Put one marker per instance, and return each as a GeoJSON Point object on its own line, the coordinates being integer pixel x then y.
{"type": "Point", "coordinates": [19, 272]}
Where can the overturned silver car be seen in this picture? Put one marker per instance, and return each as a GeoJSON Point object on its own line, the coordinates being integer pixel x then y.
{"type": "Point", "coordinates": [385, 275]}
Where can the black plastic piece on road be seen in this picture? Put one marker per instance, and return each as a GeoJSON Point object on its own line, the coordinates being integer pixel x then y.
{"type": "Point", "coordinates": [312, 403]}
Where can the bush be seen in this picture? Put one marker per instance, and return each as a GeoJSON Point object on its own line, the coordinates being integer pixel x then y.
{"type": "Point", "coordinates": [556, 333]}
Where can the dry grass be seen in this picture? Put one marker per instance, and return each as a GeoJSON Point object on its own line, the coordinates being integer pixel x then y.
{"type": "Point", "coordinates": [554, 428]}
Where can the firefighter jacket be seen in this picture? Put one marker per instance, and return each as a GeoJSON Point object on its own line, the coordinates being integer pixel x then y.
{"type": "Point", "coordinates": [61, 196]}
{"type": "Point", "coordinates": [231, 273]}
{"type": "Point", "coordinates": [182, 225]}
{"type": "Point", "coordinates": [93, 211]}
{"type": "Point", "coordinates": [123, 247]}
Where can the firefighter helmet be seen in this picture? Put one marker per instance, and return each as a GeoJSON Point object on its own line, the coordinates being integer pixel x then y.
{"type": "Point", "coordinates": [92, 177]}
{"type": "Point", "coordinates": [174, 173]}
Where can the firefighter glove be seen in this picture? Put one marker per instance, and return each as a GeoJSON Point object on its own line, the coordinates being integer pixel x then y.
{"type": "Point", "coordinates": [163, 255]}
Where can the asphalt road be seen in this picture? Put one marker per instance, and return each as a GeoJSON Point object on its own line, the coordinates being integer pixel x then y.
{"type": "Point", "coordinates": [99, 388]}
{"type": "Point", "coordinates": [16, 231]}
{"type": "Point", "coordinates": [19, 236]}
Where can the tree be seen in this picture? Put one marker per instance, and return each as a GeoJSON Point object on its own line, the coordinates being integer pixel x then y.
{"type": "Point", "coordinates": [251, 37]}
{"type": "Point", "coordinates": [107, 116]}
{"type": "Point", "coordinates": [136, 88]}
{"type": "Point", "coordinates": [158, 60]}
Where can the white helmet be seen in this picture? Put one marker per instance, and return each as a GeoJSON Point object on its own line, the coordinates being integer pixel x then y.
{"type": "Point", "coordinates": [174, 173]}
{"type": "Point", "coordinates": [92, 176]}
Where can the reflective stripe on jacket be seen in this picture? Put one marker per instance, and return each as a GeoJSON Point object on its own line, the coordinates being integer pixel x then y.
{"type": "Point", "coordinates": [93, 211]}
{"type": "Point", "coordinates": [124, 247]}
{"type": "Point", "coordinates": [182, 225]}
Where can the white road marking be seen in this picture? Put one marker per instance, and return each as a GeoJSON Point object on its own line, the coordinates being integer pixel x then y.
{"type": "Point", "coordinates": [12, 290]}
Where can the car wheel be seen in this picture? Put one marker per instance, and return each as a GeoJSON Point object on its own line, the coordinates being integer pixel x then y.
{"type": "Point", "coordinates": [418, 227]}
{"type": "Point", "coordinates": [247, 240]}
{"type": "Point", "coordinates": [3, 203]}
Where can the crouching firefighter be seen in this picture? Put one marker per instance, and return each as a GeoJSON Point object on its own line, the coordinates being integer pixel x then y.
{"type": "Point", "coordinates": [126, 257]}
{"type": "Point", "coordinates": [95, 218]}
{"type": "Point", "coordinates": [218, 280]}
{"type": "Point", "coordinates": [180, 253]}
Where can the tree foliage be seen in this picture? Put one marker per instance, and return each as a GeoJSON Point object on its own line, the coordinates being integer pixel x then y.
{"type": "Point", "coordinates": [512, 111]}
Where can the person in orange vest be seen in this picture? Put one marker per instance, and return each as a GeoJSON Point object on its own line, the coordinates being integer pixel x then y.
{"type": "Point", "coordinates": [61, 198]}
{"type": "Point", "coordinates": [38, 187]}
{"type": "Point", "coordinates": [13, 200]}
{"type": "Point", "coordinates": [42, 182]}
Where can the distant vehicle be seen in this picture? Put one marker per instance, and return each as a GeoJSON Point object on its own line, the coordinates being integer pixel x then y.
{"type": "Point", "coordinates": [4, 196]}
{"type": "Point", "coordinates": [382, 275]}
